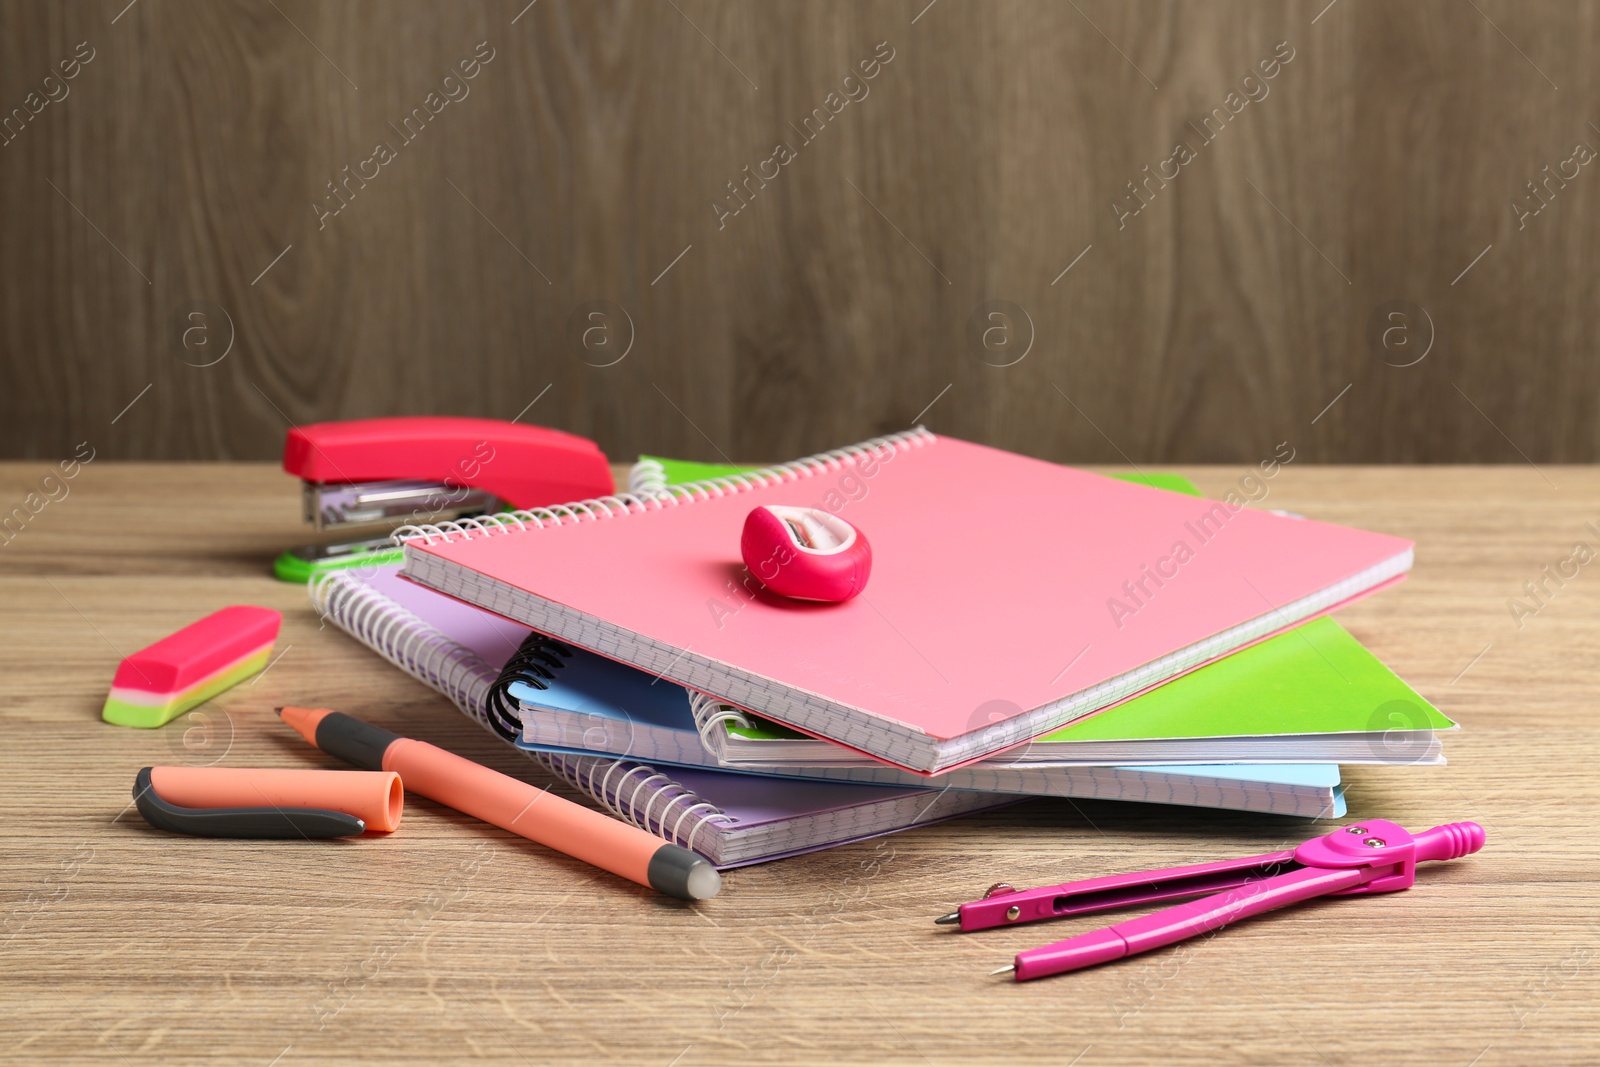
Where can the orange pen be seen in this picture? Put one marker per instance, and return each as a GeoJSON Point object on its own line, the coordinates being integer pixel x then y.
{"type": "Point", "coordinates": [496, 798]}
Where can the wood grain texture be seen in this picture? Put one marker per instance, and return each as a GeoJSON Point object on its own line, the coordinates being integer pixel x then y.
{"type": "Point", "coordinates": [452, 941]}
{"type": "Point", "coordinates": [847, 293]}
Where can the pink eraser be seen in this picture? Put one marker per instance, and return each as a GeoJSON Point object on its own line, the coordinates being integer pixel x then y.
{"type": "Point", "coordinates": [156, 684]}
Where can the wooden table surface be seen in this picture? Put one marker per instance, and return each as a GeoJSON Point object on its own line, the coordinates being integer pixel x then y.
{"type": "Point", "coordinates": [453, 941]}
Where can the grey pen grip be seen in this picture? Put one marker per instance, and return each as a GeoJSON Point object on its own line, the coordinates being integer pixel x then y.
{"type": "Point", "coordinates": [358, 743]}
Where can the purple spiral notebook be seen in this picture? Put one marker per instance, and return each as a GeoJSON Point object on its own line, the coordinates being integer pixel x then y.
{"type": "Point", "coordinates": [730, 818]}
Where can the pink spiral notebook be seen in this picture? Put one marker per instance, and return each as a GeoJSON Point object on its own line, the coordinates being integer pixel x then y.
{"type": "Point", "coordinates": [1008, 595]}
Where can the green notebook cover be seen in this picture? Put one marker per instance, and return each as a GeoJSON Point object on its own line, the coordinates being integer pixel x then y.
{"type": "Point", "coordinates": [678, 471]}
{"type": "Point", "coordinates": [1313, 679]}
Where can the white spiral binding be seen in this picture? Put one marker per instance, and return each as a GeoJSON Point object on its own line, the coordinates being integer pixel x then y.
{"type": "Point", "coordinates": [669, 495]}
{"type": "Point", "coordinates": [581, 770]}
{"type": "Point", "coordinates": [708, 713]}
{"type": "Point", "coordinates": [647, 478]}
{"type": "Point", "coordinates": [405, 640]}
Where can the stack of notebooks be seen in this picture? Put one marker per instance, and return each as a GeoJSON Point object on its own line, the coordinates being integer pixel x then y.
{"type": "Point", "coordinates": [1028, 630]}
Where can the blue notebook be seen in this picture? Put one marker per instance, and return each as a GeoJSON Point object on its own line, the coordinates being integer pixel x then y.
{"type": "Point", "coordinates": [590, 704]}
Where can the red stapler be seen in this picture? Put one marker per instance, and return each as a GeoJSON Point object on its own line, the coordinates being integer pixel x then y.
{"type": "Point", "coordinates": [409, 469]}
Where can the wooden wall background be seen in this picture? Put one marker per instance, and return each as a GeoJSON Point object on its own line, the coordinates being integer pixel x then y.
{"type": "Point", "coordinates": [183, 163]}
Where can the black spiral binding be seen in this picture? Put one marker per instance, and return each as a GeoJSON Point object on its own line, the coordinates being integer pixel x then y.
{"type": "Point", "coordinates": [532, 663]}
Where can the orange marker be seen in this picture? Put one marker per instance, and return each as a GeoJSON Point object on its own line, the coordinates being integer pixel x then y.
{"type": "Point", "coordinates": [496, 798]}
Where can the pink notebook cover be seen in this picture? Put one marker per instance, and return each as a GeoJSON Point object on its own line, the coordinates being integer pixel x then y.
{"type": "Point", "coordinates": [1008, 595]}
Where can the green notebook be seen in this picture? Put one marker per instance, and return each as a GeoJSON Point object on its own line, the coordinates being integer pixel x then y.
{"type": "Point", "coordinates": [1311, 694]}
{"type": "Point", "coordinates": [655, 473]}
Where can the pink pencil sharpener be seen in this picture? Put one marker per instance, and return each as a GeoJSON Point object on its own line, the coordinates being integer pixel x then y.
{"type": "Point", "coordinates": [805, 554]}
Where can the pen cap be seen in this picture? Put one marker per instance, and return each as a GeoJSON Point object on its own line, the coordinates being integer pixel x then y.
{"type": "Point", "coordinates": [375, 797]}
